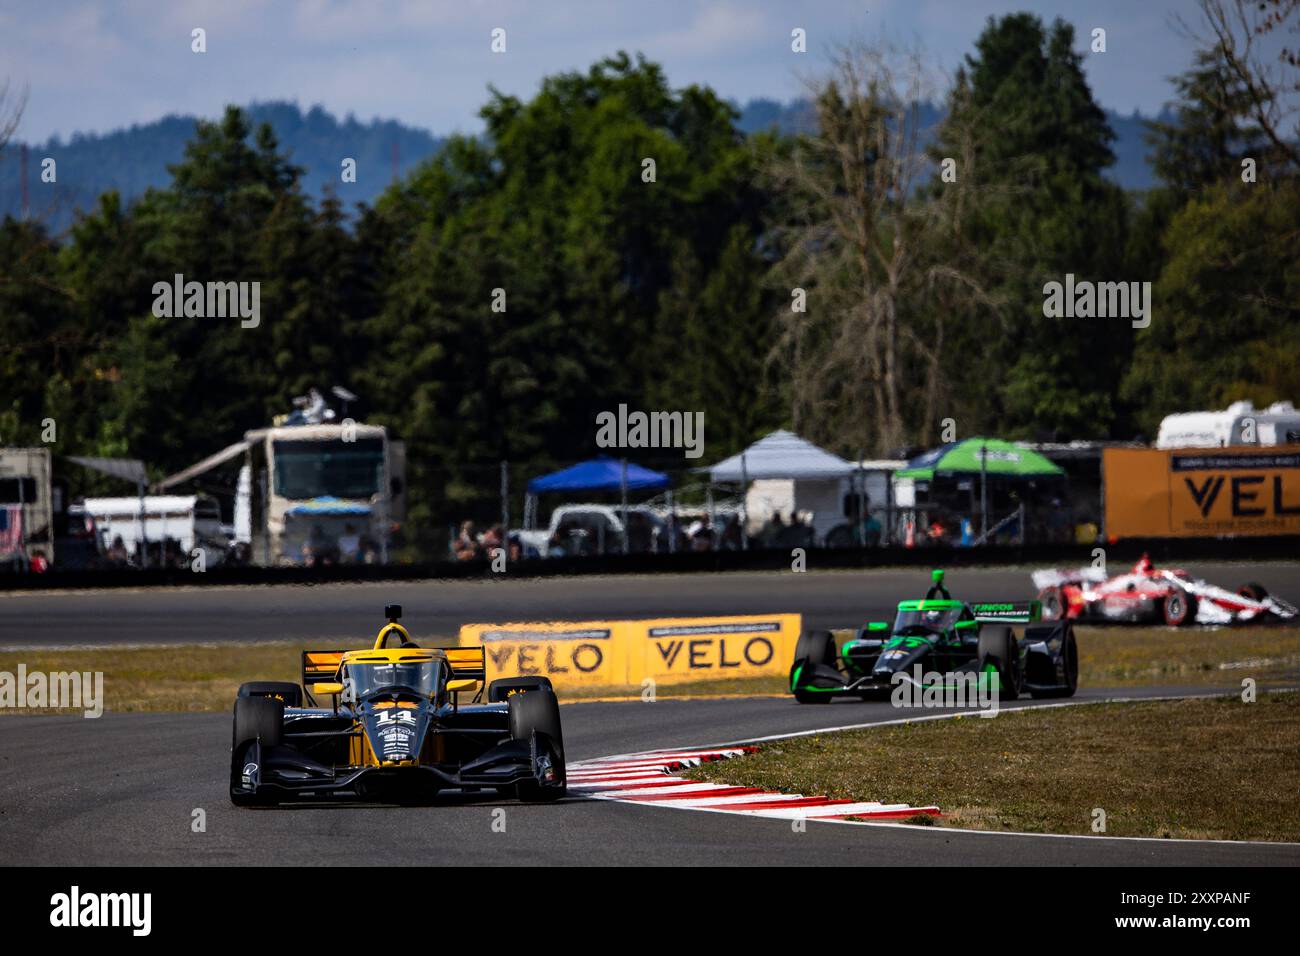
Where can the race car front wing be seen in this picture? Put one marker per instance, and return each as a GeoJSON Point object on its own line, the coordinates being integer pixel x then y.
{"type": "Point", "coordinates": [284, 772]}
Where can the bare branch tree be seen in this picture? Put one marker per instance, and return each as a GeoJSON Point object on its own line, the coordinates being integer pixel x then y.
{"type": "Point", "coordinates": [864, 360]}
{"type": "Point", "coordinates": [12, 105]}
{"type": "Point", "coordinates": [1234, 29]}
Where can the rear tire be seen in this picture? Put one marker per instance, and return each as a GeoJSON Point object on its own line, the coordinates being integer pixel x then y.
{"type": "Point", "coordinates": [1053, 602]}
{"type": "Point", "coordinates": [1179, 609]}
{"type": "Point", "coordinates": [1070, 666]}
{"type": "Point", "coordinates": [291, 694]}
{"type": "Point", "coordinates": [997, 646]}
{"type": "Point", "coordinates": [538, 712]}
{"type": "Point", "coordinates": [506, 687]}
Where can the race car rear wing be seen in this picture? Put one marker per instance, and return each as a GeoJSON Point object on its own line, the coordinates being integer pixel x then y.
{"type": "Point", "coordinates": [467, 663]}
{"type": "Point", "coordinates": [1008, 612]}
{"type": "Point", "coordinates": [321, 667]}
{"type": "Point", "coordinates": [1045, 578]}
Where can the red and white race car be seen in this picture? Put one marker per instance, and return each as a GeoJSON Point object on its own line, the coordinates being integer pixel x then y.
{"type": "Point", "coordinates": [1148, 594]}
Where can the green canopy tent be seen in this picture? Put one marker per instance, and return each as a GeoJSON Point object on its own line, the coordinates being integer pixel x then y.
{"type": "Point", "coordinates": [980, 456]}
{"type": "Point", "coordinates": [983, 457]}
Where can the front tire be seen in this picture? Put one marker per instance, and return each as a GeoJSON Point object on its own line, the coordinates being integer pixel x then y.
{"type": "Point", "coordinates": [813, 649]}
{"type": "Point", "coordinates": [1252, 591]}
{"type": "Point", "coordinates": [817, 647]}
{"type": "Point", "coordinates": [806, 697]}
{"type": "Point", "coordinates": [257, 719]}
{"type": "Point", "coordinates": [536, 713]}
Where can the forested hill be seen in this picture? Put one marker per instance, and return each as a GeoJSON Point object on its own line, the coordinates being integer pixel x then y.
{"type": "Point", "coordinates": [1130, 171]}
{"type": "Point", "coordinates": [135, 159]}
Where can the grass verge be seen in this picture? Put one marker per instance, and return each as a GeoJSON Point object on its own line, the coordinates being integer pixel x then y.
{"type": "Point", "coordinates": [1210, 768]}
{"type": "Point", "coordinates": [190, 677]}
{"type": "Point", "coordinates": [1133, 656]}
{"type": "Point", "coordinates": [205, 677]}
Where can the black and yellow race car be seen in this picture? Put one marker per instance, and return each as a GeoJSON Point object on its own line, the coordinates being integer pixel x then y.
{"type": "Point", "coordinates": [396, 729]}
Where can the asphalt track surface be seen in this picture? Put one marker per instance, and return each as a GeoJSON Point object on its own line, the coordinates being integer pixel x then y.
{"type": "Point", "coordinates": [439, 607]}
{"type": "Point", "coordinates": [122, 790]}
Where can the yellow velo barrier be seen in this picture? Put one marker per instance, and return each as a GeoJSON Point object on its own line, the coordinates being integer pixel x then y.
{"type": "Point", "coordinates": [586, 653]}
{"type": "Point", "coordinates": [625, 653]}
{"type": "Point", "coordinates": [674, 650]}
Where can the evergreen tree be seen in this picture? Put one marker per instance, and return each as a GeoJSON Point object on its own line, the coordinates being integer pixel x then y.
{"type": "Point", "coordinates": [553, 208]}
{"type": "Point", "coordinates": [1038, 145]}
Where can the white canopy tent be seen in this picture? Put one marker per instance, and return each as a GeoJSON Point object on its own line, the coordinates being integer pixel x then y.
{"type": "Point", "coordinates": [783, 472]}
{"type": "Point", "coordinates": [781, 454]}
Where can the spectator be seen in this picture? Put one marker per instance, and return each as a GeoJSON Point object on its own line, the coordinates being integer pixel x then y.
{"type": "Point", "coordinates": [701, 535]}
{"type": "Point", "coordinates": [557, 546]}
{"type": "Point", "coordinates": [117, 553]}
{"type": "Point", "coordinates": [316, 550]}
{"type": "Point", "coordinates": [494, 539]}
{"type": "Point", "coordinates": [466, 546]}
{"type": "Point", "coordinates": [938, 532]}
{"type": "Point", "coordinates": [800, 534]}
{"type": "Point", "coordinates": [967, 532]}
{"type": "Point", "coordinates": [1058, 523]}
{"type": "Point", "coordinates": [672, 536]}
{"type": "Point", "coordinates": [642, 533]}
{"type": "Point", "coordinates": [570, 539]}
{"type": "Point", "coordinates": [731, 534]}
{"type": "Point", "coordinates": [871, 531]}
{"type": "Point", "coordinates": [772, 531]}
{"type": "Point", "coordinates": [349, 545]}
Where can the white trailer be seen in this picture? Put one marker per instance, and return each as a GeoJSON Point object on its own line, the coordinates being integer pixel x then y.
{"type": "Point", "coordinates": [192, 521]}
{"type": "Point", "coordinates": [1241, 423]}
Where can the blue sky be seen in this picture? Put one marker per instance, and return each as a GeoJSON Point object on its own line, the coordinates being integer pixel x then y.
{"type": "Point", "coordinates": [95, 66]}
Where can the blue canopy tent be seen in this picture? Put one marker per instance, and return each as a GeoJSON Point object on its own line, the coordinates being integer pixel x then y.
{"type": "Point", "coordinates": [598, 474]}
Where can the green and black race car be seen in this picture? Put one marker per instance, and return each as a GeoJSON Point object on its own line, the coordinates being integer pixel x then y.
{"type": "Point", "coordinates": [936, 637]}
